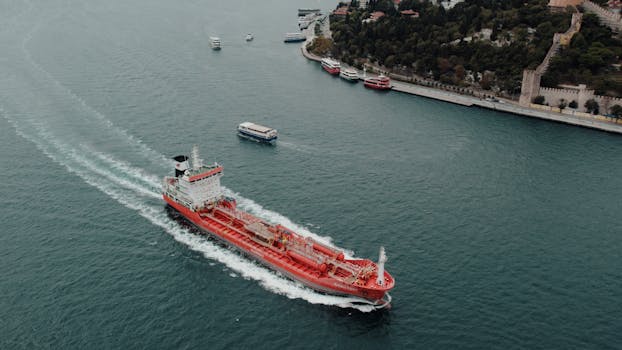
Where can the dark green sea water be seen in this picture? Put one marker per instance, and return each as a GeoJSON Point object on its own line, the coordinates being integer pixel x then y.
{"type": "Point", "coordinates": [502, 232]}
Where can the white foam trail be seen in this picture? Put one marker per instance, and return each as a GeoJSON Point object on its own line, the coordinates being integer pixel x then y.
{"type": "Point", "coordinates": [92, 111]}
{"type": "Point", "coordinates": [79, 157]}
{"type": "Point", "coordinates": [298, 147]}
{"type": "Point", "coordinates": [136, 173]}
{"type": "Point", "coordinates": [109, 184]}
{"type": "Point", "coordinates": [153, 181]}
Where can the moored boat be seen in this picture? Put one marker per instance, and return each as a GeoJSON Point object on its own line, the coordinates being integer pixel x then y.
{"type": "Point", "coordinates": [307, 11]}
{"type": "Point", "coordinates": [349, 74]}
{"type": "Point", "coordinates": [380, 82]}
{"type": "Point", "coordinates": [331, 66]}
{"type": "Point", "coordinates": [214, 43]}
{"type": "Point", "coordinates": [294, 37]}
{"type": "Point", "coordinates": [257, 132]}
{"type": "Point", "coordinates": [305, 21]}
{"type": "Point", "coordinates": [196, 194]}
{"type": "Point", "coordinates": [249, 37]}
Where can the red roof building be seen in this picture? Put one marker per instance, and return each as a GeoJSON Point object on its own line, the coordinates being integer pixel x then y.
{"type": "Point", "coordinates": [375, 15]}
{"type": "Point", "coordinates": [342, 11]}
{"type": "Point", "coordinates": [410, 13]}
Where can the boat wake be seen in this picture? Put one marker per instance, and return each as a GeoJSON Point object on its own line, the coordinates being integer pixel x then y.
{"type": "Point", "coordinates": [135, 189]}
{"type": "Point", "coordinates": [75, 135]}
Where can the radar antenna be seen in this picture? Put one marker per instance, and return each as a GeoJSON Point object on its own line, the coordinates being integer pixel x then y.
{"type": "Point", "coordinates": [197, 162]}
{"type": "Point", "coordinates": [382, 258]}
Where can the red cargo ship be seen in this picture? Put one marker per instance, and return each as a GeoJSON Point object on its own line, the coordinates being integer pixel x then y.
{"type": "Point", "coordinates": [195, 193]}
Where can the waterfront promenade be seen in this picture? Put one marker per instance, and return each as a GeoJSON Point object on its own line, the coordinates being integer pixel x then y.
{"type": "Point", "coordinates": [503, 105]}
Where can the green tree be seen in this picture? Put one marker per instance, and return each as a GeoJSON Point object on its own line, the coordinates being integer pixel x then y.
{"type": "Point", "coordinates": [562, 104]}
{"type": "Point", "coordinates": [616, 110]}
{"type": "Point", "coordinates": [539, 100]}
{"type": "Point", "coordinates": [591, 106]}
{"type": "Point", "coordinates": [573, 104]}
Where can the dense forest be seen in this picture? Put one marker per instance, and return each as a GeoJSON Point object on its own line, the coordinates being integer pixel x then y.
{"type": "Point", "coordinates": [447, 45]}
{"type": "Point", "coordinates": [588, 60]}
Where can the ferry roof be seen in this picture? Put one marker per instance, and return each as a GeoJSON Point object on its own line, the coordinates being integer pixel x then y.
{"type": "Point", "coordinates": [255, 127]}
{"type": "Point", "coordinates": [331, 61]}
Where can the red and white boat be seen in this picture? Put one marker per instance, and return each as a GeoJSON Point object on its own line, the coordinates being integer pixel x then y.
{"type": "Point", "coordinates": [196, 194]}
{"type": "Point", "coordinates": [380, 82]}
{"type": "Point", "coordinates": [331, 66]}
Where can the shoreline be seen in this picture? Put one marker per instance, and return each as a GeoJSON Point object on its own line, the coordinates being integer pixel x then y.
{"type": "Point", "coordinates": [571, 117]}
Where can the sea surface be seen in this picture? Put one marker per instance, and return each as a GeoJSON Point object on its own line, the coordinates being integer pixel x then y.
{"type": "Point", "coordinates": [501, 231]}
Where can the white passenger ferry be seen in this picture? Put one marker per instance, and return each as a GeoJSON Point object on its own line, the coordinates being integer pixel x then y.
{"type": "Point", "coordinates": [257, 132]}
{"type": "Point", "coordinates": [214, 42]}
{"type": "Point", "coordinates": [349, 74]}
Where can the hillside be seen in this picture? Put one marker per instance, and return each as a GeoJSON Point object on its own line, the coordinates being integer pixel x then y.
{"type": "Point", "coordinates": [481, 43]}
{"type": "Point", "coordinates": [589, 59]}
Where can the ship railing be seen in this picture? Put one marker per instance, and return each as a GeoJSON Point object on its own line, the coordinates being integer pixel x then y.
{"type": "Point", "coordinates": [304, 246]}
{"type": "Point", "coordinates": [239, 215]}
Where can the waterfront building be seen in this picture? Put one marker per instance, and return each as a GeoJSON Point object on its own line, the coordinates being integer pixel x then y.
{"type": "Point", "coordinates": [563, 3]}
{"type": "Point", "coordinates": [410, 13]}
{"type": "Point", "coordinates": [374, 16]}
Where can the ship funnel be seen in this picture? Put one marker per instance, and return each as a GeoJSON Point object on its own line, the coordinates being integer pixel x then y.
{"type": "Point", "coordinates": [181, 165]}
{"type": "Point", "coordinates": [382, 258]}
{"type": "Point", "coordinates": [197, 162]}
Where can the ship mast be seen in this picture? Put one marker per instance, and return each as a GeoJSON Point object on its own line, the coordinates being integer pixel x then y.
{"type": "Point", "coordinates": [381, 260]}
{"type": "Point", "coordinates": [197, 162]}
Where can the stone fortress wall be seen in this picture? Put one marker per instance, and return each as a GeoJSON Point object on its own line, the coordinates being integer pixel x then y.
{"type": "Point", "coordinates": [530, 87]}
{"type": "Point", "coordinates": [580, 94]}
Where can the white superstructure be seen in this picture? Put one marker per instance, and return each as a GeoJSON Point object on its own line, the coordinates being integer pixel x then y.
{"type": "Point", "coordinates": [194, 187]}
{"type": "Point", "coordinates": [257, 132]}
{"type": "Point", "coordinates": [349, 74]}
{"type": "Point", "coordinates": [214, 42]}
{"type": "Point", "coordinates": [330, 63]}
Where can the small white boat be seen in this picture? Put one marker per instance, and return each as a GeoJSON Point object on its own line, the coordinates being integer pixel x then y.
{"type": "Point", "coordinates": [249, 37]}
{"type": "Point", "coordinates": [257, 132]}
{"type": "Point", "coordinates": [214, 42]}
{"type": "Point", "coordinates": [349, 74]}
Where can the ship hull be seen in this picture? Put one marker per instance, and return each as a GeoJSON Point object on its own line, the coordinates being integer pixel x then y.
{"type": "Point", "coordinates": [349, 79]}
{"type": "Point", "coordinates": [331, 70]}
{"type": "Point", "coordinates": [294, 40]}
{"type": "Point", "coordinates": [377, 87]}
{"type": "Point", "coordinates": [257, 138]}
{"type": "Point", "coordinates": [279, 263]}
